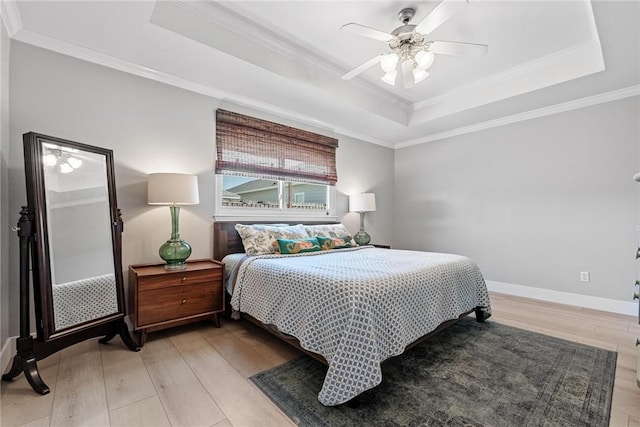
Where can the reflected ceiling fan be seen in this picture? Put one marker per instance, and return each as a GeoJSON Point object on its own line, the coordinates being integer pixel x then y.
{"type": "Point", "coordinates": [411, 51]}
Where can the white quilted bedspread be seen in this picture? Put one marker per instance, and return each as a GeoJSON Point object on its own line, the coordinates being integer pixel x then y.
{"type": "Point", "coordinates": [357, 307]}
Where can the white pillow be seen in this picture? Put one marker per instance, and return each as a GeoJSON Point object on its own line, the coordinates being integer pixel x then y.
{"type": "Point", "coordinates": [259, 239]}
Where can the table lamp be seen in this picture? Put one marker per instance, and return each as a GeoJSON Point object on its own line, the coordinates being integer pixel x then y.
{"type": "Point", "coordinates": [361, 203]}
{"type": "Point", "coordinates": [173, 189]}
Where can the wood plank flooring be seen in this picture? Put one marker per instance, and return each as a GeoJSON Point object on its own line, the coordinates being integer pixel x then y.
{"type": "Point", "coordinates": [197, 375]}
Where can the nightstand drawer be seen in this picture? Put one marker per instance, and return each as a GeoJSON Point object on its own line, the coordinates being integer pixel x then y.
{"type": "Point", "coordinates": [177, 302]}
{"type": "Point", "coordinates": [178, 278]}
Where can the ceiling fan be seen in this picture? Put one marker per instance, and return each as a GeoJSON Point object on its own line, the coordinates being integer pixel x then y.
{"type": "Point", "coordinates": [411, 51]}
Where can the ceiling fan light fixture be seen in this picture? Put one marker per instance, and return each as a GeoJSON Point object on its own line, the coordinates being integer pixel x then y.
{"type": "Point", "coordinates": [419, 75]}
{"type": "Point", "coordinates": [50, 159]}
{"type": "Point", "coordinates": [412, 50]}
{"type": "Point", "coordinates": [65, 168]}
{"type": "Point", "coordinates": [390, 78]}
{"type": "Point", "coordinates": [389, 62]}
{"type": "Point", "coordinates": [424, 59]}
{"type": "Point", "coordinates": [74, 162]}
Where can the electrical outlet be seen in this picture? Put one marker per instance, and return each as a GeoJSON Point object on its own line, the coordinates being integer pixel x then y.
{"type": "Point", "coordinates": [584, 276]}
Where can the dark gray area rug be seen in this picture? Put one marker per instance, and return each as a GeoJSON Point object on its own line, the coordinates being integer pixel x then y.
{"type": "Point", "coordinates": [470, 374]}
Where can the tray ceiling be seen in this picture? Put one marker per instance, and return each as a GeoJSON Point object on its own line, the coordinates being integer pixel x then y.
{"type": "Point", "coordinates": [287, 57]}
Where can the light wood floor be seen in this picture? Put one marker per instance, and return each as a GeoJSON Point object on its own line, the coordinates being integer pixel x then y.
{"type": "Point", "coordinates": [197, 375]}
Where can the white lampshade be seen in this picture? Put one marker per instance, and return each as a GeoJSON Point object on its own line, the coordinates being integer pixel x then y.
{"type": "Point", "coordinates": [172, 188]}
{"type": "Point", "coordinates": [424, 59]}
{"type": "Point", "coordinates": [390, 78]}
{"type": "Point", "coordinates": [363, 202]}
{"type": "Point", "coordinates": [389, 62]}
{"type": "Point", "coordinates": [419, 75]}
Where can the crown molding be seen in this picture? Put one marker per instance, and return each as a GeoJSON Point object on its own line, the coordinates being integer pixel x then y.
{"type": "Point", "coordinates": [365, 138]}
{"type": "Point", "coordinates": [540, 112]}
{"type": "Point", "coordinates": [238, 24]}
{"type": "Point", "coordinates": [573, 62]}
{"type": "Point", "coordinates": [242, 26]}
{"type": "Point", "coordinates": [89, 55]}
{"type": "Point", "coordinates": [577, 61]}
{"type": "Point", "coordinates": [521, 70]}
{"type": "Point", "coordinates": [95, 57]}
{"type": "Point", "coordinates": [11, 16]}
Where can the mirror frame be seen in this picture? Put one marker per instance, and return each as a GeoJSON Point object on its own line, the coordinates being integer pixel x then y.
{"type": "Point", "coordinates": [40, 256]}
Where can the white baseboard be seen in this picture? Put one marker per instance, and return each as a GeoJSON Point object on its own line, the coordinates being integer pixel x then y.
{"type": "Point", "coordinates": [586, 301]}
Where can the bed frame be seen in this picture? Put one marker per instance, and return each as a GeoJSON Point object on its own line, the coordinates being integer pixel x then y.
{"type": "Point", "coordinates": [226, 240]}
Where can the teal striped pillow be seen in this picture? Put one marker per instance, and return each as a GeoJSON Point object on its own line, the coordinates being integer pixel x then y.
{"type": "Point", "coordinates": [287, 246]}
{"type": "Point", "coordinates": [327, 243]}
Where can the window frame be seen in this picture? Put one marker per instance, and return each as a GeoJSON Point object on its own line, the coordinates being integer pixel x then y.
{"type": "Point", "coordinates": [268, 214]}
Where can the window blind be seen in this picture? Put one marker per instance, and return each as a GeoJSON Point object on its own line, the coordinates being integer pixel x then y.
{"type": "Point", "coordinates": [247, 146]}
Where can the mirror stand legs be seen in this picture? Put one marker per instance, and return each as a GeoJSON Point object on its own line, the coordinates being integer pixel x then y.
{"type": "Point", "coordinates": [25, 358]}
{"type": "Point", "coordinates": [125, 336]}
{"type": "Point", "coordinates": [25, 361]}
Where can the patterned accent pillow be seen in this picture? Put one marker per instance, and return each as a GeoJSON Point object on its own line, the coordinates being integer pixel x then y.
{"type": "Point", "coordinates": [328, 230]}
{"type": "Point", "coordinates": [310, 244]}
{"type": "Point", "coordinates": [259, 239]}
{"type": "Point", "coordinates": [327, 243]}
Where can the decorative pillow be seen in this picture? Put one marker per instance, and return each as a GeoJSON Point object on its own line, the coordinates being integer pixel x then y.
{"type": "Point", "coordinates": [327, 243]}
{"type": "Point", "coordinates": [328, 230]}
{"type": "Point", "coordinates": [309, 244]}
{"type": "Point", "coordinates": [259, 239]}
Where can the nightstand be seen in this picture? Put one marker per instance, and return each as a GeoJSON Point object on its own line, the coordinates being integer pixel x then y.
{"type": "Point", "coordinates": [381, 246]}
{"type": "Point", "coordinates": [166, 298]}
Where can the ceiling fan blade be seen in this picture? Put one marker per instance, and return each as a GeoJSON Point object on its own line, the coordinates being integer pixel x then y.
{"type": "Point", "coordinates": [458, 49]}
{"type": "Point", "coordinates": [445, 10]}
{"type": "Point", "coordinates": [362, 67]}
{"type": "Point", "coordinates": [364, 31]}
{"type": "Point", "coordinates": [407, 74]}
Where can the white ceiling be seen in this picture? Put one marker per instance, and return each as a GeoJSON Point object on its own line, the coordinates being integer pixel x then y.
{"type": "Point", "coordinates": [287, 57]}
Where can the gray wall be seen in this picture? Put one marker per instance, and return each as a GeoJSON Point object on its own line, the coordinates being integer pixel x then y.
{"type": "Point", "coordinates": [367, 168]}
{"type": "Point", "coordinates": [151, 127]}
{"type": "Point", "coordinates": [4, 184]}
{"type": "Point", "coordinates": [534, 202]}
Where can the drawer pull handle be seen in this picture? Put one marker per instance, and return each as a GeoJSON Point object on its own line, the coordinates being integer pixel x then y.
{"type": "Point", "coordinates": [184, 301]}
{"type": "Point", "coordinates": [184, 278]}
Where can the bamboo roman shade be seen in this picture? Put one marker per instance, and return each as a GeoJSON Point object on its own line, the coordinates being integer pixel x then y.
{"type": "Point", "coordinates": [247, 146]}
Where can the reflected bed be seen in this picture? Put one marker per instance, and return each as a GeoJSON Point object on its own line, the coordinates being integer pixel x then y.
{"type": "Point", "coordinates": [83, 300]}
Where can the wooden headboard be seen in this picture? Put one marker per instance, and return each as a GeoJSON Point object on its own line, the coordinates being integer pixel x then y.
{"type": "Point", "coordinates": [226, 239]}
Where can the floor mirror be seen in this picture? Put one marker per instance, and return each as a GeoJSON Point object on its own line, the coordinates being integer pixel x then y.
{"type": "Point", "coordinates": [70, 250]}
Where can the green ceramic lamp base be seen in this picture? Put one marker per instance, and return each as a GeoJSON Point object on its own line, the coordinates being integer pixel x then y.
{"type": "Point", "coordinates": [175, 251]}
{"type": "Point", "coordinates": [362, 238]}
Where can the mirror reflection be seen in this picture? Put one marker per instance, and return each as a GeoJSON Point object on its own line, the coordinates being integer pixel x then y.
{"type": "Point", "coordinates": [79, 234]}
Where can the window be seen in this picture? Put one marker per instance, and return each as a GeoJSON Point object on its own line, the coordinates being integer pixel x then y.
{"type": "Point", "coordinates": [298, 197]}
{"type": "Point", "coordinates": [270, 168]}
{"type": "Point", "coordinates": [256, 193]}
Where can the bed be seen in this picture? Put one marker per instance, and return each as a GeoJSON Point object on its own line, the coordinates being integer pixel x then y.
{"type": "Point", "coordinates": [83, 300]}
{"type": "Point", "coordinates": [353, 307]}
